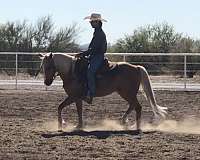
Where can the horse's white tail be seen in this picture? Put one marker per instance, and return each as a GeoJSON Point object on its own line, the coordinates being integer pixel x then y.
{"type": "Point", "coordinates": [146, 85]}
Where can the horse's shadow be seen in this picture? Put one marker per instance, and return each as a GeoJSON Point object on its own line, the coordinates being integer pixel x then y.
{"type": "Point", "coordinates": [98, 134]}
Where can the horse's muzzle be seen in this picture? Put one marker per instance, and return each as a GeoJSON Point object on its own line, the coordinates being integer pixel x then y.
{"type": "Point", "coordinates": [48, 82]}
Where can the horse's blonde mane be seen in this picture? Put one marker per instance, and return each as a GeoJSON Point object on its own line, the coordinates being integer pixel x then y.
{"type": "Point", "coordinates": [63, 61]}
{"type": "Point", "coordinates": [69, 55]}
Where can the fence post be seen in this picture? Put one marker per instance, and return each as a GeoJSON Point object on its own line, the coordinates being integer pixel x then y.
{"type": "Point", "coordinates": [124, 58]}
{"type": "Point", "coordinates": [16, 69]}
{"type": "Point", "coordinates": [185, 71]}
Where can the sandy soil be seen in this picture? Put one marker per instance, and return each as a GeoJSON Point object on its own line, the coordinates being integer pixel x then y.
{"type": "Point", "coordinates": [29, 128]}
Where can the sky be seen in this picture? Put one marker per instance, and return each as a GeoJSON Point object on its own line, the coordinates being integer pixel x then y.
{"type": "Point", "coordinates": [123, 16]}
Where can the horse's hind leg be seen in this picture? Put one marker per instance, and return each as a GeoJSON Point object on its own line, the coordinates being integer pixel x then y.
{"type": "Point", "coordinates": [124, 118]}
{"type": "Point", "coordinates": [80, 116]}
{"type": "Point", "coordinates": [129, 99]}
{"type": "Point", "coordinates": [138, 109]}
{"type": "Point", "coordinates": [134, 104]}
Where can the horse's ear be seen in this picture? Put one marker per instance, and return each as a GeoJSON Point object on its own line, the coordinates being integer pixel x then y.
{"type": "Point", "coordinates": [50, 55]}
{"type": "Point", "coordinates": [41, 55]}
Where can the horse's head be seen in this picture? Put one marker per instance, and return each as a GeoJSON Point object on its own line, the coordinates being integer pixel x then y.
{"type": "Point", "coordinates": [49, 68]}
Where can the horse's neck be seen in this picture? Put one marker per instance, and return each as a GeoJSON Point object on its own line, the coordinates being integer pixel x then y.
{"type": "Point", "coordinates": [64, 64]}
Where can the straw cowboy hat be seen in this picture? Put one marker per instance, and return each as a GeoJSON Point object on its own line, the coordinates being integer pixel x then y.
{"type": "Point", "coordinates": [95, 17]}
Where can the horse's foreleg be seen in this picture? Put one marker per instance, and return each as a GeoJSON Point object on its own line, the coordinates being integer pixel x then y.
{"type": "Point", "coordinates": [80, 116]}
{"type": "Point", "coordinates": [66, 102]}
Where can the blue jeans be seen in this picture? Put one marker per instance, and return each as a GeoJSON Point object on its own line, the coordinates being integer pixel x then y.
{"type": "Point", "coordinates": [95, 63]}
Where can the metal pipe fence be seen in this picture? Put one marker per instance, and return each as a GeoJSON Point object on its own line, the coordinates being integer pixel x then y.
{"type": "Point", "coordinates": [178, 76]}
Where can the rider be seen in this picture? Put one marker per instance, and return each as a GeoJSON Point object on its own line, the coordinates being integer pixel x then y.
{"type": "Point", "coordinates": [96, 50]}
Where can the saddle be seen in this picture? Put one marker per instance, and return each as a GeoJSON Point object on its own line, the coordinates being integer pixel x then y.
{"type": "Point", "coordinates": [106, 69]}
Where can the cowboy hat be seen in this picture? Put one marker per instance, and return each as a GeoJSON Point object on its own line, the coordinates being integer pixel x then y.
{"type": "Point", "coordinates": [95, 17]}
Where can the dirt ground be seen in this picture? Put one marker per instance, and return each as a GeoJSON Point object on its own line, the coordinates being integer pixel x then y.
{"type": "Point", "coordinates": [28, 128]}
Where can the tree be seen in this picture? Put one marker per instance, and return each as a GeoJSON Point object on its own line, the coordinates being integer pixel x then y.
{"type": "Point", "coordinates": [160, 38]}
{"type": "Point", "coordinates": [64, 40]}
{"type": "Point", "coordinates": [41, 37]}
{"type": "Point", "coordinates": [27, 40]}
{"type": "Point", "coordinates": [163, 38]}
{"type": "Point", "coordinates": [43, 33]}
{"type": "Point", "coordinates": [11, 34]}
{"type": "Point", "coordinates": [151, 38]}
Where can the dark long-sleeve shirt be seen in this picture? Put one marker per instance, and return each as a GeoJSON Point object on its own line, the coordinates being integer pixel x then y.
{"type": "Point", "coordinates": [98, 45]}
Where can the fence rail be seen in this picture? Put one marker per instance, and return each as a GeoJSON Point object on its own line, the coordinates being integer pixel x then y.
{"type": "Point", "coordinates": [185, 83]}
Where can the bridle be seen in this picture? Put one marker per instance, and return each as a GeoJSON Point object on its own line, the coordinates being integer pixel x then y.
{"type": "Point", "coordinates": [52, 66]}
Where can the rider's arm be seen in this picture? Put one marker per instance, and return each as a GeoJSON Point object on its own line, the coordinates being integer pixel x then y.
{"type": "Point", "coordinates": [85, 53]}
{"type": "Point", "coordinates": [98, 44]}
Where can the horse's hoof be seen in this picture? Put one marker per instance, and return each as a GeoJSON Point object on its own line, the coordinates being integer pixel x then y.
{"type": "Point", "coordinates": [79, 127]}
{"type": "Point", "coordinates": [139, 132]}
{"type": "Point", "coordinates": [63, 122]}
{"type": "Point", "coordinates": [60, 130]}
{"type": "Point", "coordinates": [124, 121]}
{"type": "Point", "coordinates": [133, 126]}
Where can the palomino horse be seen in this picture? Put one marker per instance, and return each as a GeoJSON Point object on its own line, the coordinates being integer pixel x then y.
{"type": "Point", "coordinates": [125, 82]}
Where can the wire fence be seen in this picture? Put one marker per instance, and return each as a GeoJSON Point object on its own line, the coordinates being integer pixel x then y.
{"type": "Point", "coordinates": [167, 70]}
